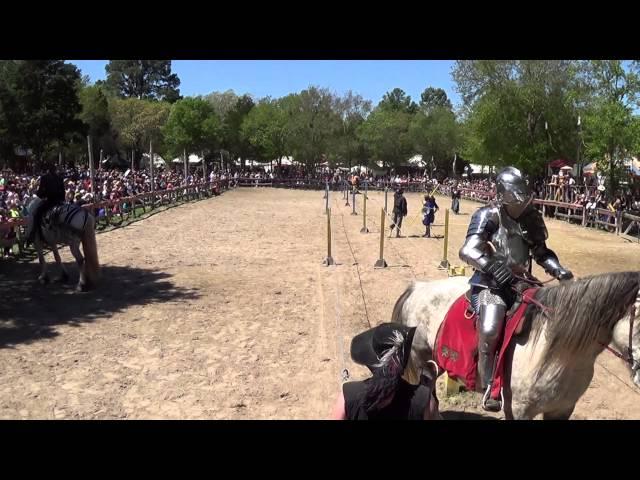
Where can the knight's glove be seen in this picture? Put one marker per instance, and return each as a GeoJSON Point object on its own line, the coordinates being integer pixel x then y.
{"type": "Point", "coordinates": [562, 274]}
{"type": "Point", "coordinates": [501, 273]}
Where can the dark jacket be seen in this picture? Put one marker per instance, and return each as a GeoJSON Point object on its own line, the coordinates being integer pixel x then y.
{"type": "Point", "coordinates": [51, 188]}
{"type": "Point", "coordinates": [400, 204]}
{"type": "Point", "coordinates": [409, 402]}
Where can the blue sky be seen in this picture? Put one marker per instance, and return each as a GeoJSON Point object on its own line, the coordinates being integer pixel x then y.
{"type": "Point", "coordinates": [260, 78]}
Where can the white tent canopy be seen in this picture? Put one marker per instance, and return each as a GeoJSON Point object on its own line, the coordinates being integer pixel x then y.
{"type": "Point", "coordinates": [475, 168]}
{"type": "Point", "coordinates": [285, 161]}
{"type": "Point", "coordinates": [193, 159]}
{"type": "Point", "coordinates": [158, 161]}
{"type": "Point", "coordinates": [416, 161]}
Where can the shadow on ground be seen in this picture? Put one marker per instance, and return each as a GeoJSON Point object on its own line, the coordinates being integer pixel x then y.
{"type": "Point", "coordinates": [455, 415]}
{"type": "Point", "coordinates": [30, 311]}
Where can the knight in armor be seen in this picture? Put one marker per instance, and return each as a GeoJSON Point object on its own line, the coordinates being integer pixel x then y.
{"type": "Point", "coordinates": [51, 190]}
{"type": "Point", "coordinates": [501, 240]}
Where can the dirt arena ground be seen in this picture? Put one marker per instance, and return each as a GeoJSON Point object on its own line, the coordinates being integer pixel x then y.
{"type": "Point", "coordinates": [221, 309]}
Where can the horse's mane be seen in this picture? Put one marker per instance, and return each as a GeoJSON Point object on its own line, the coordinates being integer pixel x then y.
{"type": "Point", "coordinates": [584, 310]}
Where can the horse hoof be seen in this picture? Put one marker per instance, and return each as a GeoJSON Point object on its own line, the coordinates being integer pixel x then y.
{"type": "Point", "coordinates": [43, 280]}
{"type": "Point", "coordinates": [82, 288]}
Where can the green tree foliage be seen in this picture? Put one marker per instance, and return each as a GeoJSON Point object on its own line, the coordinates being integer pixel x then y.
{"type": "Point", "coordinates": [233, 139]}
{"type": "Point", "coordinates": [222, 102]}
{"type": "Point", "coordinates": [265, 128]}
{"type": "Point", "coordinates": [519, 113]}
{"type": "Point", "coordinates": [386, 134]}
{"type": "Point", "coordinates": [611, 131]}
{"type": "Point", "coordinates": [39, 104]}
{"type": "Point", "coordinates": [192, 125]}
{"type": "Point", "coordinates": [397, 101]}
{"type": "Point", "coordinates": [436, 134]}
{"type": "Point", "coordinates": [348, 148]}
{"type": "Point", "coordinates": [312, 124]}
{"type": "Point", "coordinates": [143, 79]}
{"type": "Point", "coordinates": [137, 122]}
{"type": "Point", "coordinates": [432, 98]}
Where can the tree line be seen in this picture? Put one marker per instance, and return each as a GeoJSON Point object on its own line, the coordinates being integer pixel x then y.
{"type": "Point", "coordinates": [513, 112]}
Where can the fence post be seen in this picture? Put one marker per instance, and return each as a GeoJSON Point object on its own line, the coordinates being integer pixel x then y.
{"type": "Point", "coordinates": [364, 228]}
{"type": "Point", "coordinates": [353, 200]}
{"type": "Point", "coordinates": [346, 191]}
{"type": "Point", "coordinates": [444, 264]}
{"type": "Point", "coordinates": [326, 197]}
{"type": "Point", "coordinates": [386, 192]}
{"type": "Point", "coordinates": [381, 263]}
{"type": "Point", "coordinates": [329, 259]}
{"type": "Point", "coordinates": [91, 167]}
{"type": "Point", "coordinates": [151, 174]}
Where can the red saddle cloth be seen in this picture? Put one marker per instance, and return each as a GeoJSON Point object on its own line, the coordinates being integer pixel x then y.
{"type": "Point", "coordinates": [457, 343]}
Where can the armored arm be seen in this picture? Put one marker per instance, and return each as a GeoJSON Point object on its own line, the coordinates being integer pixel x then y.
{"type": "Point", "coordinates": [543, 255]}
{"type": "Point", "coordinates": [546, 258]}
{"type": "Point", "coordinates": [476, 250]}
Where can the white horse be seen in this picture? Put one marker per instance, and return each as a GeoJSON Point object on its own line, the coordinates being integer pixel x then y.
{"type": "Point", "coordinates": [555, 354]}
{"type": "Point", "coordinates": [68, 224]}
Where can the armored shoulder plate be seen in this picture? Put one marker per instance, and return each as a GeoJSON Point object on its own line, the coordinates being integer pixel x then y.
{"type": "Point", "coordinates": [485, 221]}
{"type": "Point", "coordinates": [533, 227]}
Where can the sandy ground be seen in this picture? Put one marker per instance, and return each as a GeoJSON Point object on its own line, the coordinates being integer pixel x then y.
{"type": "Point", "coordinates": [222, 309]}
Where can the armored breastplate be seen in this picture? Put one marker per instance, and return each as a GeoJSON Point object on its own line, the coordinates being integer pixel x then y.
{"type": "Point", "coordinates": [510, 243]}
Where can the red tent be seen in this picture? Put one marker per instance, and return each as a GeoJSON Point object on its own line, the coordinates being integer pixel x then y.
{"type": "Point", "coordinates": [559, 163]}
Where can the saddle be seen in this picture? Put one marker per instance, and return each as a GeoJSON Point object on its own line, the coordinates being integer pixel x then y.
{"type": "Point", "coordinates": [50, 215]}
{"type": "Point", "coordinates": [456, 345]}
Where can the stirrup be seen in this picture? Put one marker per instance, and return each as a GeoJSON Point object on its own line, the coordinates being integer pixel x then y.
{"type": "Point", "coordinates": [487, 396]}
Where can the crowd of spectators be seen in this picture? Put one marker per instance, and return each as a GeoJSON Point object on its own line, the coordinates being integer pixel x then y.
{"type": "Point", "coordinates": [17, 190]}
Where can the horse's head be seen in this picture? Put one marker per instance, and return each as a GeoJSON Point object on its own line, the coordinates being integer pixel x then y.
{"type": "Point", "coordinates": [593, 312]}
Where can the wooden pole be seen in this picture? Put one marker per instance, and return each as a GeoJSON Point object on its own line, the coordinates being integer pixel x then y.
{"type": "Point", "coordinates": [91, 169]}
{"type": "Point", "coordinates": [353, 201]}
{"type": "Point", "coordinates": [381, 263]}
{"type": "Point", "coordinates": [186, 168]}
{"type": "Point", "coordinates": [326, 202]}
{"type": "Point", "coordinates": [329, 259]}
{"type": "Point", "coordinates": [444, 264]}
{"type": "Point", "coordinates": [364, 228]}
{"type": "Point", "coordinates": [386, 194]}
{"type": "Point", "coordinates": [151, 174]}
{"type": "Point", "coordinates": [347, 192]}
{"type": "Point", "coordinates": [204, 171]}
